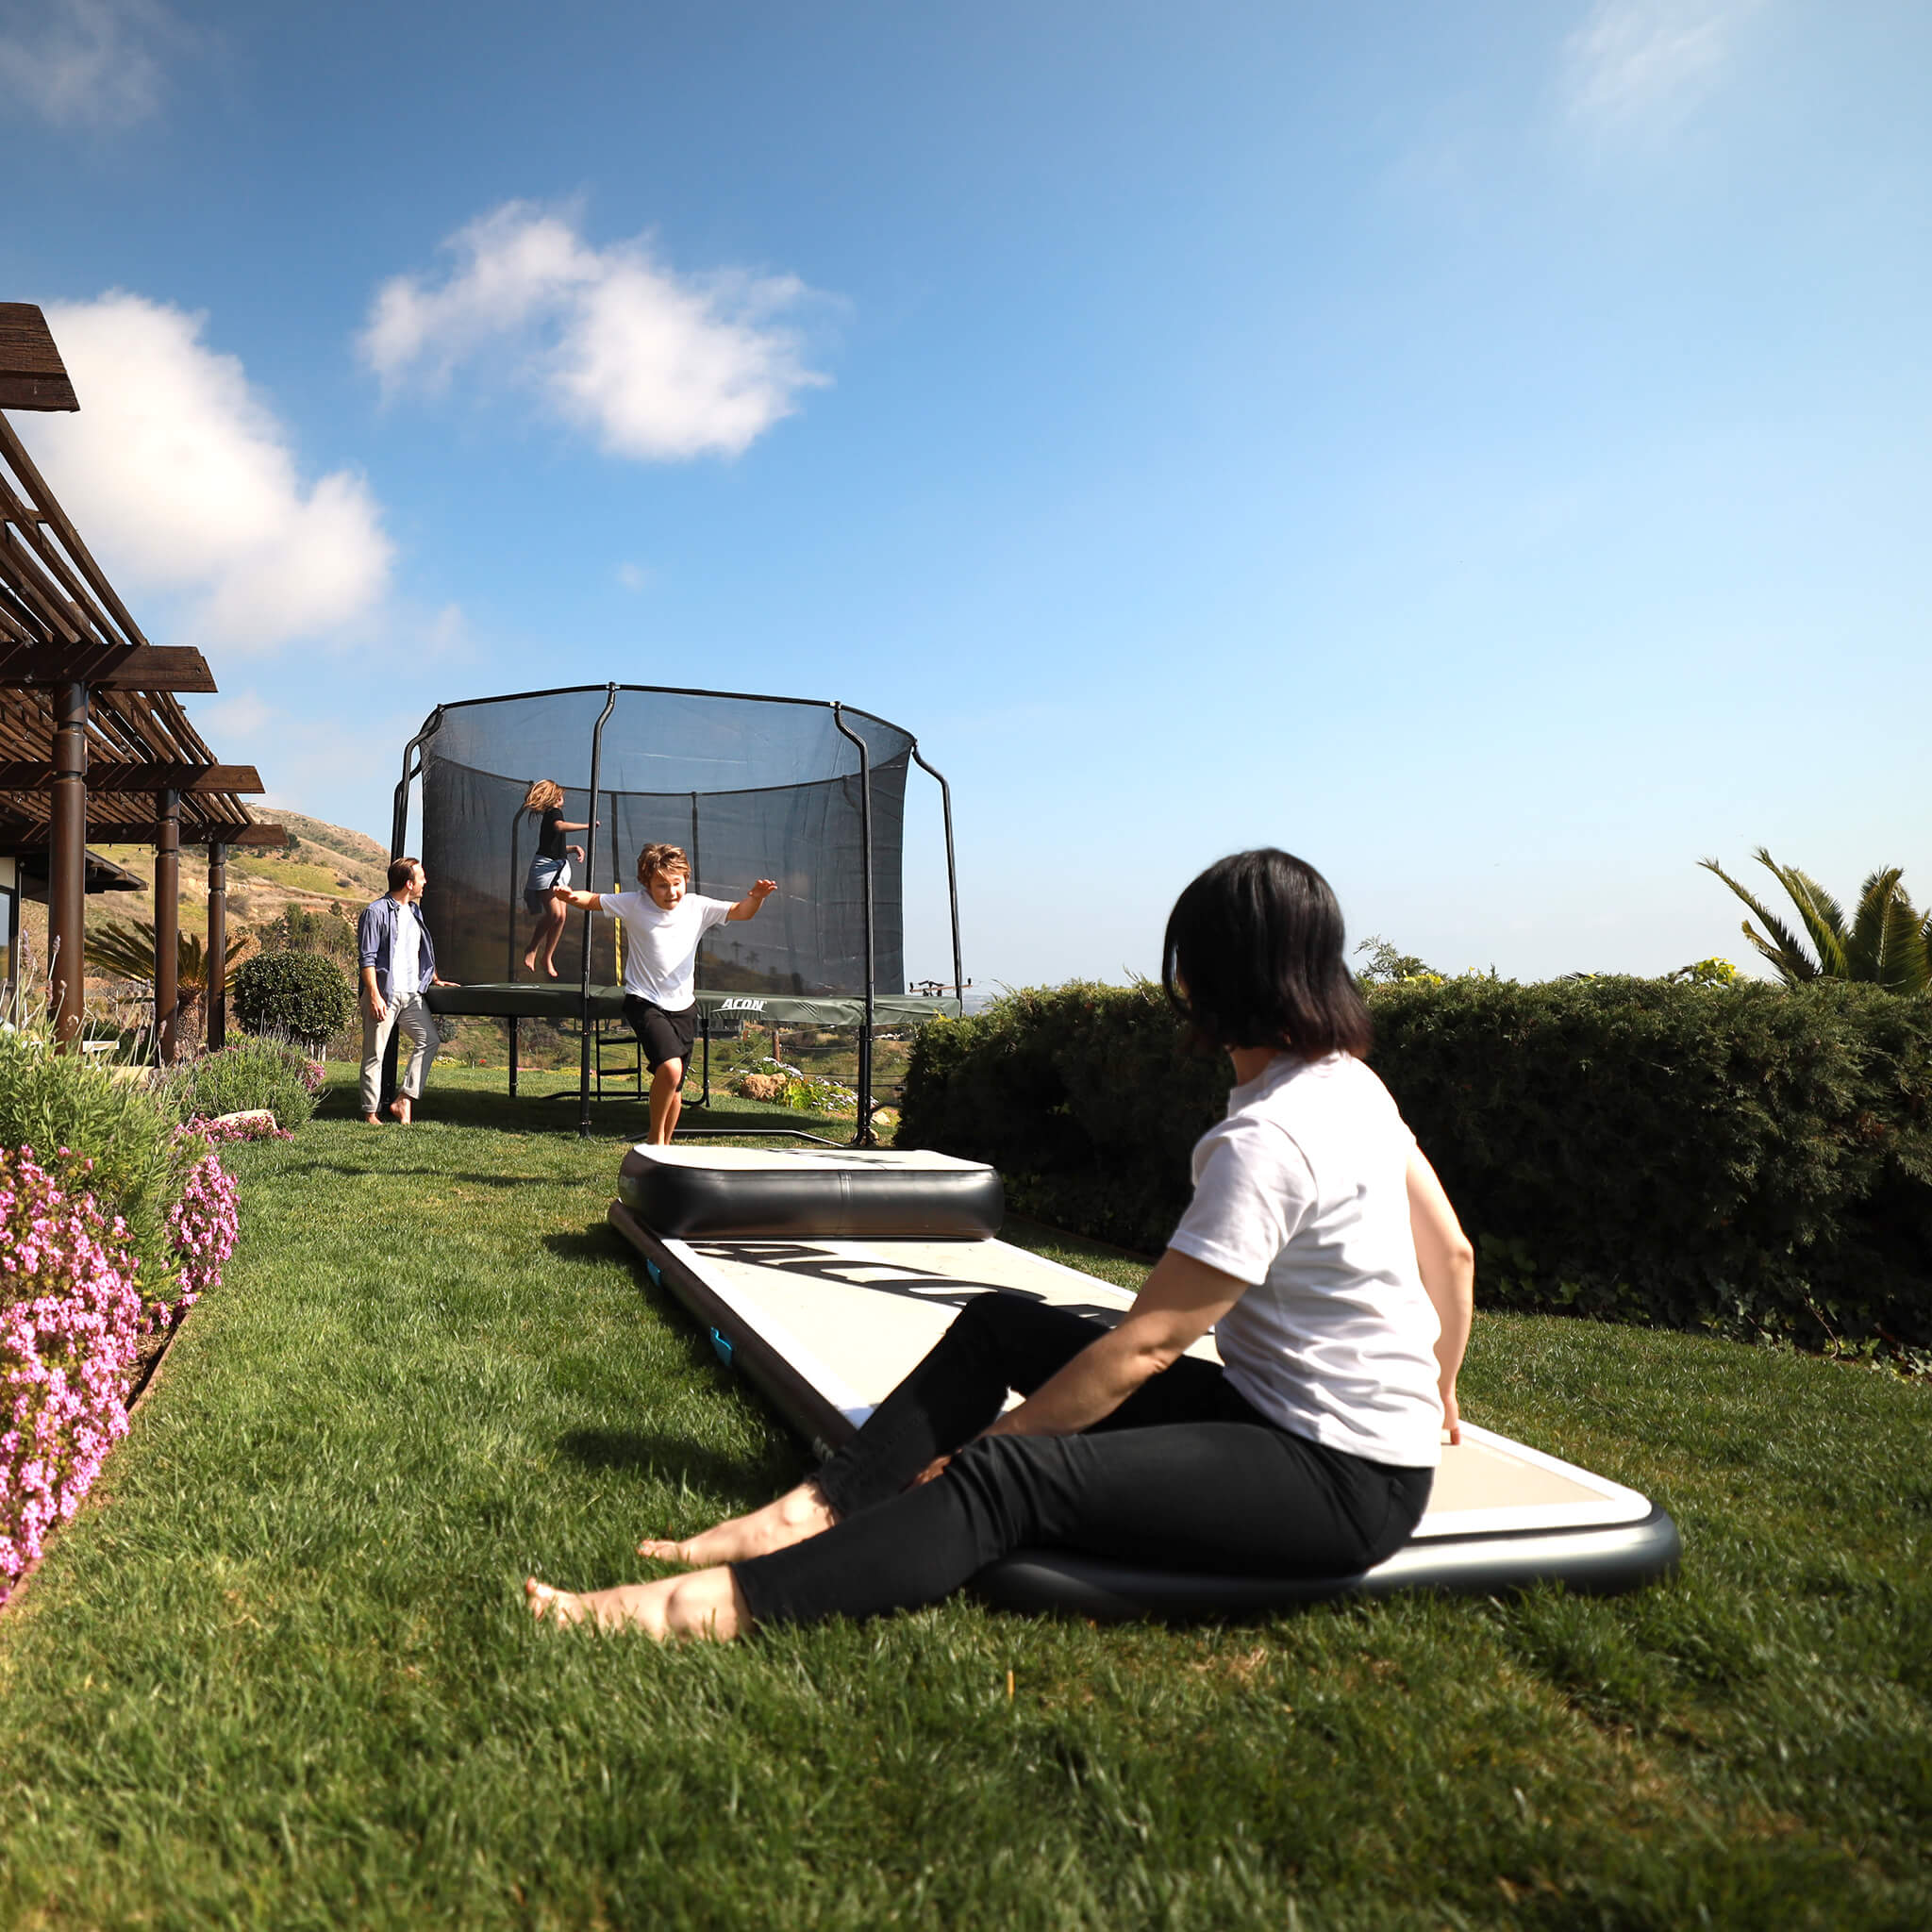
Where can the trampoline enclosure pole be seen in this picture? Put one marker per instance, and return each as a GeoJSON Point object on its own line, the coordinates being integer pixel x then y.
{"type": "Point", "coordinates": [584, 1028]}
{"type": "Point", "coordinates": [952, 874]}
{"type": "Point", "coordinates": [399, 824]}
{"type": "Point", "coordinates": [864, 1137]}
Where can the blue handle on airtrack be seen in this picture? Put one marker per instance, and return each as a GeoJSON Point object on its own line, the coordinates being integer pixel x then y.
{"type": "Point", "coordinates": [723, 1344]}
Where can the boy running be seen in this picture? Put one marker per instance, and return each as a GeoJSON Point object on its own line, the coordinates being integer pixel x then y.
{"type": "Point", "coordinates": [663, 925]}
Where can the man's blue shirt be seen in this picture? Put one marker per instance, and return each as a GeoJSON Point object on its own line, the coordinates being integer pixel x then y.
{"type": "Point", "coordinates": [375, 939]}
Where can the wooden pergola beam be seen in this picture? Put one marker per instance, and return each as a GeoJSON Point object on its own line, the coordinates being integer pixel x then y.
{"type": "Point", "coordinates": [17, 841]}
{"type": "Point", "coordinates": [107, 667]}
{"type": "Point", "coordinates": [32, 376]}
{"type": "Point", "coordinates": [29, 774]}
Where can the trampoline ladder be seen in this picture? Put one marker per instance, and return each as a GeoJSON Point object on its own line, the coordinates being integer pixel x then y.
{"type": "Point", "coordinates": [630, 1070]}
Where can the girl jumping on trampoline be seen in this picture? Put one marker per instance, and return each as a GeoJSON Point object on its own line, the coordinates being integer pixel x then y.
{"type": "Point", "coordinates": [1319, 1247]}
{"type": "Point", "coordinates": [549, 870]}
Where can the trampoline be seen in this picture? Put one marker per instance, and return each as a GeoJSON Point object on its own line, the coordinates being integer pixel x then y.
{"type": "Point", "coordinates": [812, 794]}
{"type": "Point", "coordinates": [845, 1267]}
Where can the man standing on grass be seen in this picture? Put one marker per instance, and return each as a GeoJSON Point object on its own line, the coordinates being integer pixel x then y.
{"type": "Point", "coordinates": [398, 962]}
{"type": "Point", "coordinates": [663, 925]}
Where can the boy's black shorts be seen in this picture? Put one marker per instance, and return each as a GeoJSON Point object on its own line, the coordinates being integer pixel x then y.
{"type": "Point", "coordinates": [663, 1036]}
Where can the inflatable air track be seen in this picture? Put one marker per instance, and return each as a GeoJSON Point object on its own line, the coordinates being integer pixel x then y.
{"type": "Point", "coordinates": [823, 1275]}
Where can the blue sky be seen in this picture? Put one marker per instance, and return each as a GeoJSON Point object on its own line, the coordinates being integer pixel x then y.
{"type": "Point", "coordinates": [1481, 447]}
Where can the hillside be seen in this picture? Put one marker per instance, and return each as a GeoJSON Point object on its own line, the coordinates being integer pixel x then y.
{"type": "Point", "coordinates": [330, 868]}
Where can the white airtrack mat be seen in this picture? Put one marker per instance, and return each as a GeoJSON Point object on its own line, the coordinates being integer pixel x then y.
{"type": "Point", "coordinates": [852, 1318]}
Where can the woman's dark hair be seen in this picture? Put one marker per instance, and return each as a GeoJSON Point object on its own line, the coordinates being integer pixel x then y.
{"type": "Point", "coordinates": [1253, 957]}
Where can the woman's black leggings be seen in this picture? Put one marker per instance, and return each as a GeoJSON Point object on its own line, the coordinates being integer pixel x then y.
{"type": "Point", "coordinates": [1183, 1475]}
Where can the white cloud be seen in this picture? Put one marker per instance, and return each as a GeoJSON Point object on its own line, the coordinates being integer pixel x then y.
{"type": "Point", "coordinates": [633, 576]}
{"type": "Point", "coordinates": [87, 63]}
{"type": "Point", "coordinates": [183, 483]}
{"type": "Point", "coordinates": [1631, 59]}
{"type": "Point", "coordinates": [243, 716]}
{"type": "Point", "coordinates": [661, 367]}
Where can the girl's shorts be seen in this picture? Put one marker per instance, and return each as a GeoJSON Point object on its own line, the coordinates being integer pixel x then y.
{"type": "Point", "coordinates": [545, 873]}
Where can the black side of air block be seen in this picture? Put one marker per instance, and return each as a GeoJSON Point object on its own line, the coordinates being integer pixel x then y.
{"type": "Point", "coordinates": [813, 1202]}
{"type": "Point", "coordinates": [1588, 1562]}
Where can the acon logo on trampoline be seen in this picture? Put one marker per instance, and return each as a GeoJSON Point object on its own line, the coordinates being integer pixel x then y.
{"type": "Point", "coordinates": [742, 1007]}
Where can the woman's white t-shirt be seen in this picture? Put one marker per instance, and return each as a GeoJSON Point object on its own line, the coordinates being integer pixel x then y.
{"type": "Point", "coordinates": [660, 948]}
{"type": "Point", "coordinates": [1302, 1192]}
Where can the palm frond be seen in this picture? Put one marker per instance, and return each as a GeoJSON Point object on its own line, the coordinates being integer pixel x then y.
{"type": "Point", "coordinates": [127, 947]}
{"type": "Point", "coordinates": [1904, 962]}
{"type": "Point", "coordinates": [1783, 949]}
{"type": "Point", "coordinates": [1865, 946]}
{"type": "Point", "coordinates": [1823, 916]}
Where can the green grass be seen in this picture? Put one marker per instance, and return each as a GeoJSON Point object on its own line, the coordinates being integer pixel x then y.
{"type": "Point", "coordinates": [278, 1672]}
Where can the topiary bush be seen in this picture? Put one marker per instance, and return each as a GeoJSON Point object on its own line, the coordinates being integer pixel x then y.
{"type": "Point", "coordinates": [1756, 1161]}
{"type": "Point", "coordinates": [249, 1074]}
{"type": "Point", "coordinates": [302, 996]}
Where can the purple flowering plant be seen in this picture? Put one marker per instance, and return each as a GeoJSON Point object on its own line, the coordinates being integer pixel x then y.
{"type": "Point", "coordinates": [71, 1319]}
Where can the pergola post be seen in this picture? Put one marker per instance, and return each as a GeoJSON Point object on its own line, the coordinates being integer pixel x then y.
{"type": "Point", "coordinates": [67, 866]}
{"type": "Point", "coordinates": [167, 923]}
{"type": "Point", "coordinates": [216, 1010]}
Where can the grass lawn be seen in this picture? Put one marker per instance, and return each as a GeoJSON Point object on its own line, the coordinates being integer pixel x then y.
{"type": "Point", "coordinates": [279, 1672]}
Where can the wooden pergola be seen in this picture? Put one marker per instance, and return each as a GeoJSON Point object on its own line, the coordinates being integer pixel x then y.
{"type": "Point", "coordinates": [94, 741]}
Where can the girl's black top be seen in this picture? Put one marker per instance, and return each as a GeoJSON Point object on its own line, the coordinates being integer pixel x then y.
{"type": "Point", "coordinates": [550, 840]}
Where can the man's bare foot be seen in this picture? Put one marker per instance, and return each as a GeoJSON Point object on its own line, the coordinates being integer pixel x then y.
{"type": "Point", "coordinates": [373, 1120]}
{"type": "Point", "coordinates": [400, 1107]}
{"type": "Point", "coordinates": [706, 1605]}
{"type": "Point", "coordinates": [797, 1514]}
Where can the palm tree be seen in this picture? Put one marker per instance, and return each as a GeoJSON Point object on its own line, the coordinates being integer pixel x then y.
{"type": "Point", "coordinates": [127, 947]}
{"type": "Point", "coordinates": [1888, 943]}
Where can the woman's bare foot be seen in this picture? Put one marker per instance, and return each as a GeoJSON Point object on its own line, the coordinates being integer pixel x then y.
{"type": "Point", "coordinates": [797, 1514]}
{"type": "Point", "coordinates": [707, 1604]}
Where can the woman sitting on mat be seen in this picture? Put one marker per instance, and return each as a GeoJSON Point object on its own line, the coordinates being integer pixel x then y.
{"type": "Point", "coordinates": [549, 870]}
{"type": "Point", "coordinates": [1321, 1249]}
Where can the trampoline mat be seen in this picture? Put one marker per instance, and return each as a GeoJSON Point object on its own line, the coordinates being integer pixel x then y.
{"type": "Point", "coordinates": [826, 1328]}
{"type": "Point", "coordinates": [740, 1193]}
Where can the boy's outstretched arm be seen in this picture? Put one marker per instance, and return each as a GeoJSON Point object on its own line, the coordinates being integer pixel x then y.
{"type": "Point", "coordinates": [584, 902]}
{"type": "Point", "coordinates": [747, 908]}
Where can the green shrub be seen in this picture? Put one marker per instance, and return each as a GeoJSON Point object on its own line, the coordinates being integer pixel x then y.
{"type": "Point", "coordinates": [1080, 1095]}
{"type": "Point", "coordinates": [302, 997]}
{"type": "Point", "coordinates": [1756, 1161]}
{"type": "Point", "coordinates": [248, 1075]}
{"type": "Point", "coordinates": [51, 1101]}
{"type": "Point", "coordinates": [308, 929]}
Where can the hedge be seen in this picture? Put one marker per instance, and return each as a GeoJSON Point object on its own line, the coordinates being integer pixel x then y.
{"type": "Point", "coordinates": [1754, 1160]}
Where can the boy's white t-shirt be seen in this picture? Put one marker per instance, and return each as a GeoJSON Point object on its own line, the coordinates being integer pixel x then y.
{"type": "Point", "coordinates": [660, 948]}
{"type": "Point", "coordinates": [1302, 1192]}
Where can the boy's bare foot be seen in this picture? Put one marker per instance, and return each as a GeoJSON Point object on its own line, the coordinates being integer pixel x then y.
{"type": "Point", "coordinates": [400, 1107]}
{"type": "Point", "coordinates": [796, 1515]}
{"type": "Point", "coordinates": [707, 1604]}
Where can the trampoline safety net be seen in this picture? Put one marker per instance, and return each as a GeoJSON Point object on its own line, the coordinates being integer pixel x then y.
{"type": "Point", "coordinates": [750, 787]}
